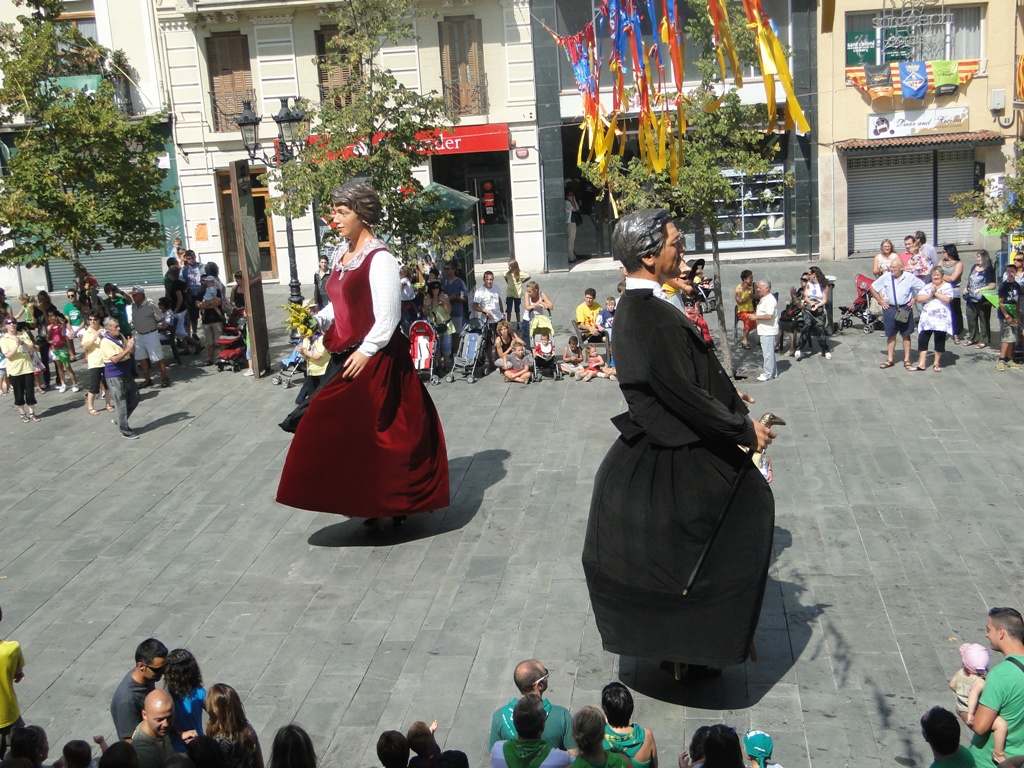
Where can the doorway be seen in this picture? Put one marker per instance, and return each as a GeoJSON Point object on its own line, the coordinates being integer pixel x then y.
{"type": "Point", "coordinates": [264, 224]}
{"type": "Point", "coordinates": [485, 175]}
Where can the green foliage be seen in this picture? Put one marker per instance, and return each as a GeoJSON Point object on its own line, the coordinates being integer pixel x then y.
{"type": "Point", "coordinates": [1002, 213]}
{"type": "Point", "coordinates": [81, 170]}
{"type": "Point", "coordinates": [373, 111]}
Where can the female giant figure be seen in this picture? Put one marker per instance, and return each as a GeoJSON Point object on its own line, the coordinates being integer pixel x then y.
{"type": "Point", "coordinates": [370, 442]}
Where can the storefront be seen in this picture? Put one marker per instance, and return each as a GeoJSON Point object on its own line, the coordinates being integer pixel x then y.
{"type": "Point", "coordinates": [475, 159]}
{"type": "Point", "coordinates": [897, 185]}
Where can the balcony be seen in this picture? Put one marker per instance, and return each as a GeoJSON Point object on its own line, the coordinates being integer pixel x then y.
{"type": "Point", "coordinates": [227, 106]}
{"type": "Point", "coordinates": [466, 98]}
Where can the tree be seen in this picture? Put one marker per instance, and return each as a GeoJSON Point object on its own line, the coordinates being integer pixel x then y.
{"type": "Point", "coordinates": [370, 126]}
{"type": "Point", "coordinates": [1002, 209]}
{"type": "Point", "coordinates": [82, 173]}
{"type": "Point", "coordinates": [721, 133]}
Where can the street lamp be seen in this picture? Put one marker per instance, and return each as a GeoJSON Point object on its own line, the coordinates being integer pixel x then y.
{"type": "Point", "coordinates": [289, 140]}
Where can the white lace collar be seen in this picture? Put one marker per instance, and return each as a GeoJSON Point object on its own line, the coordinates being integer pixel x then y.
{"type": "Point", "coordinates": [371, 245]}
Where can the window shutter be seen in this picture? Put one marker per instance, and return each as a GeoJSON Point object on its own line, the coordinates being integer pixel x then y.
{"type": "Point", "coordinates": [332, 77]}
{"type": "Point", "coordinates": [462, 64]}
{"type": "Point", "coordinates": [230, 77]}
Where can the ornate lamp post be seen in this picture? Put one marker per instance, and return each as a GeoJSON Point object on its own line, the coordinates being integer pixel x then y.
{"type": "Point", "coordinates": [289, 121]}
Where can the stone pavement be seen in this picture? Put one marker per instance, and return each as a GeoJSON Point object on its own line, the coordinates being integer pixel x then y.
{"type": "Point", "coordinates": [898, 525]}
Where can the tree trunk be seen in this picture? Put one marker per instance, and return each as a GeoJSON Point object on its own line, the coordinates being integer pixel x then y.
{"type": "Point", "coordinates": [720, 306]}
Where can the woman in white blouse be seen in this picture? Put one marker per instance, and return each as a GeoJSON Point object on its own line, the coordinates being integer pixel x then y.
{"type": "Point", "coordinates": [936, 318]}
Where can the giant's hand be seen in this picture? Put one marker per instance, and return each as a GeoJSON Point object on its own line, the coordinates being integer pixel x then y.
{"type": "Point", "coordinates": [763, 436]}
{"type": "Point", "coordinates": [355, 363]}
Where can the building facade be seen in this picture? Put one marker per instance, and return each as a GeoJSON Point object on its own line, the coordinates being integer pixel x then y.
{"type": "Point", "coordinates": [477, 53]}
{"type": "Point", "coordinates": [916, 104]}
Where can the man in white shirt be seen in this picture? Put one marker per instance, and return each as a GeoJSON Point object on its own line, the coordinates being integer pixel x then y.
{"type": "Point", "coordinates": [767, 318]}
{"type": "Point", "coordinates": [894, 292]}
{"type": "Point", "coordinates": [487, 307]}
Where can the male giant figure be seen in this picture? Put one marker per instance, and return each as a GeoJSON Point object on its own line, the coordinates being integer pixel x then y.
{"type": "Point", "coordinates": [664, 482]}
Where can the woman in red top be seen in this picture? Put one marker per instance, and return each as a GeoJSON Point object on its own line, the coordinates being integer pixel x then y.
{"type": "Point", "coordinates": [370, 443]}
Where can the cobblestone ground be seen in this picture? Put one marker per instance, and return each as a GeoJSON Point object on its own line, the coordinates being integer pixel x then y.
{"type": "Point", "coordinates": [898, 525]}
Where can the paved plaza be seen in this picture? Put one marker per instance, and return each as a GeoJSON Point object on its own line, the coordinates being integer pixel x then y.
{"type": "Point", "coordinates": [898, 525]}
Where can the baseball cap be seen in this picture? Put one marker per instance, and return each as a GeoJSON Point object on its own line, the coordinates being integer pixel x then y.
{"type": "Point", "coordinates": [758, 745]}
{"type": "Point", "coordinates": [974, 657]}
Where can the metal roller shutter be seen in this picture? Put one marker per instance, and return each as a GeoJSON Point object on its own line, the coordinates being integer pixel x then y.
{"type": "Point", "coordinates": [122, 266]}
{"type": "Point", "coordinates": [956, 174]}
{"type": "Point", "coordinates": [888, 196]}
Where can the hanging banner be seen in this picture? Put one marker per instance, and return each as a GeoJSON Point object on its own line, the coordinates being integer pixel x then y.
{"type": "Point", "coordinates": [946, 75]}
{"type": "Point", "coordinates": [913, 79]}
{"type": "Point", "coordinates": [888, 125]}
{"type": "Point", "coordinates": [878, 79]}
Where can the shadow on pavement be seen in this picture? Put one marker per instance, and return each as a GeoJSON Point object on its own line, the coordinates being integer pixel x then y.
{"type": "Point", "coordinates": [470, 476]}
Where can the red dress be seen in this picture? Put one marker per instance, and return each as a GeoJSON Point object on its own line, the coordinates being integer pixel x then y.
{"type": "Point", "coordinates": [371, 446]}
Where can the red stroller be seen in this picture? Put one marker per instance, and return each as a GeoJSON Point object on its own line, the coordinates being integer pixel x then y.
{"type": "Point", "coordinates": [861, 307]}
{"type": "Point", "coordinates": [423, 348]}
{"type": "Point", "coordinates": [232, 343]}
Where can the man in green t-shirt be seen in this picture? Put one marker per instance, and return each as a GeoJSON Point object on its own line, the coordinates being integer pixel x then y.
{"type": "Point", "coordinates": [531, 678]}
{"type": "Point", "coordinates": [1003, 694]}
{"type": "Point", "coordinates": [941, 730]}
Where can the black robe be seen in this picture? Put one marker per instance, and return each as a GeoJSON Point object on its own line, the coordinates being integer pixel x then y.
{"type": "Point", "coordinates": [659, 491]}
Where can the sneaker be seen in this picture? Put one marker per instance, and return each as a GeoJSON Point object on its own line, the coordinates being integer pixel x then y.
{"type": "Point", "coordinates": [764, 377]}
{"type": "Point", "coordinates": [129, 436]}
{"type": "Point", "coordinates": [62, 388]}
{"type": "Point", "coordinates": [1001, 365]}
{"type": "Point", "coordinates": [1012, 365]}
{"type": "Point", "coordinates": [797, 354]}
{"type": "Point", "coordinates": [248, 373]}
{"type": "Point", "coordinates": [828, 355]}
{"type": "Point", "coordinates": [75, 388]}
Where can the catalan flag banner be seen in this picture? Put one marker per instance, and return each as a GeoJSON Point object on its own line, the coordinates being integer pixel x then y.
{"type": "Point", "coordinates": [1020, 78]}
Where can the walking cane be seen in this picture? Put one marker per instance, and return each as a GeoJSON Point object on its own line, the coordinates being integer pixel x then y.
{"type": "Point", "coordinates": [768, 420]}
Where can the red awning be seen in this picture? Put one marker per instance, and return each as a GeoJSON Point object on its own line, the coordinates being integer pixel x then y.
{"type": "Point", "coordinates": [927, 141]}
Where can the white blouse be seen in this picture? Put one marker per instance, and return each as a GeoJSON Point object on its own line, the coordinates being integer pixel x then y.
{"type": "Point", "coordinates": [385, 292]}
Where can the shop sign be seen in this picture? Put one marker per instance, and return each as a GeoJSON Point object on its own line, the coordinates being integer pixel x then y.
{"type": "Point", "coordinates": [888, 125]}
{"type": "Point", "coordinates": [860, 48]}
{"type": "Point", "coordinates": [461, 139]}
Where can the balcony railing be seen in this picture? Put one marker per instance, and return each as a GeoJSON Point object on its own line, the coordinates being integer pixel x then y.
{"type": "Point", "coordinates": [466, 98]}
{"type": "Point", "coordinates": [123, 94]}
{"type": "Point", "coordinates": [227, 106]}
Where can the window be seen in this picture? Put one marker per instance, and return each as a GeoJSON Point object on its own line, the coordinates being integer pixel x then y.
{"type": "Point", "coordinates": [949, 33]}
{"type": "Point", "coordinates": [83, 22]}
{"type": "Point", "coordinates": [333, 77]}
{"type": "Point", "coordinates": [227, 55]}
{"type": "Point", "coordinates": [462, 65]}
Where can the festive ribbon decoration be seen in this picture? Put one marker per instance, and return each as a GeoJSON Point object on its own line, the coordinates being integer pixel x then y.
{"type": "Point", "coordinates": [661, 119]}
{"type": "Point", "coordinates": [1020, 78]}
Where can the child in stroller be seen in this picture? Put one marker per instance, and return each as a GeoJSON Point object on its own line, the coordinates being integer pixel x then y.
{"type": "Point", "coordinates": [544, 360]}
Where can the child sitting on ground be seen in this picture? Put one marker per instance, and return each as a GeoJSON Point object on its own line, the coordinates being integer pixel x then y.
{"type": "Point", "coordinates": [593, 366]}
{"type": "Point", "coordinates": [519, 365]}
{"type": "Point", "coordinates": [544, 347]}
{"type": "Point", "coordinates": [78, 753]}
{"type": "Point", "coordinates": [572, 357]}
{"type": "Point", "coordinates": [758, 747]}
{"type": "Point", "coordinates": [967, 684]}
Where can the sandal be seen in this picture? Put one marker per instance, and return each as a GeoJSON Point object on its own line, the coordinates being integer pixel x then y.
{"type": "Point", "coordinates": [745, 346]}
{"type": "Point", "coordinates": [909, 367]}
{"type": "Point", "coordinates": [980, 346]}
{"type": "Point", "coordinates": [917, 368]}
{"type": "Point", "coordinates": [24, 419]}
{"type": "Point", "coordinates": [887, 364]}
{"type": "Point", "coordinates": [936, 369]}
{"type": "Point", "coordinates": [111, 408]}
{"type": "Point", "coordinates": [93, 412]}
{"type": "Point", "coordinates": [33, 417]}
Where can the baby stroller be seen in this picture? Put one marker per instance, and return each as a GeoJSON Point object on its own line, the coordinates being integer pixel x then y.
{"type": "Point", "coordinates": [423, 347]}
{"type": "Point", "coordinates": [289, 365]}
{"type": "Point", "coordinates": [471, 347]}
{"type": "Point", "coordinates": [232, 343]}
{"type": "Point", "coordinates": [861, 307]}
{"type": "Point", "coordinates": [544, 364]}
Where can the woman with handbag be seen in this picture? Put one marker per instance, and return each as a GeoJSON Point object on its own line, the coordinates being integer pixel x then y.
{"type": "Point", "coordinates": [815, 315]}
{"type": "Point", "coordinates": [982, 277]}
{"type": "Point", "coordinates": [371, 433]}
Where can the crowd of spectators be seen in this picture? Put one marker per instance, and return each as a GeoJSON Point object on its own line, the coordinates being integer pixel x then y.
{"type": "Point", "coordinates": [113, 336]}
{"type": "Point", "coordinates": [186, 725]}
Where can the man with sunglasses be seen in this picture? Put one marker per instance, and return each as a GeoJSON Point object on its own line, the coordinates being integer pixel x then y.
{"type": "Point", "coordinates": [645, 543]}
{"type": "Point", "coordinates": [531, 679]}
{"type": "Point", "coordinates": [1003, 694]}
{"type": "Point", "coordinates": [130, 697]}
